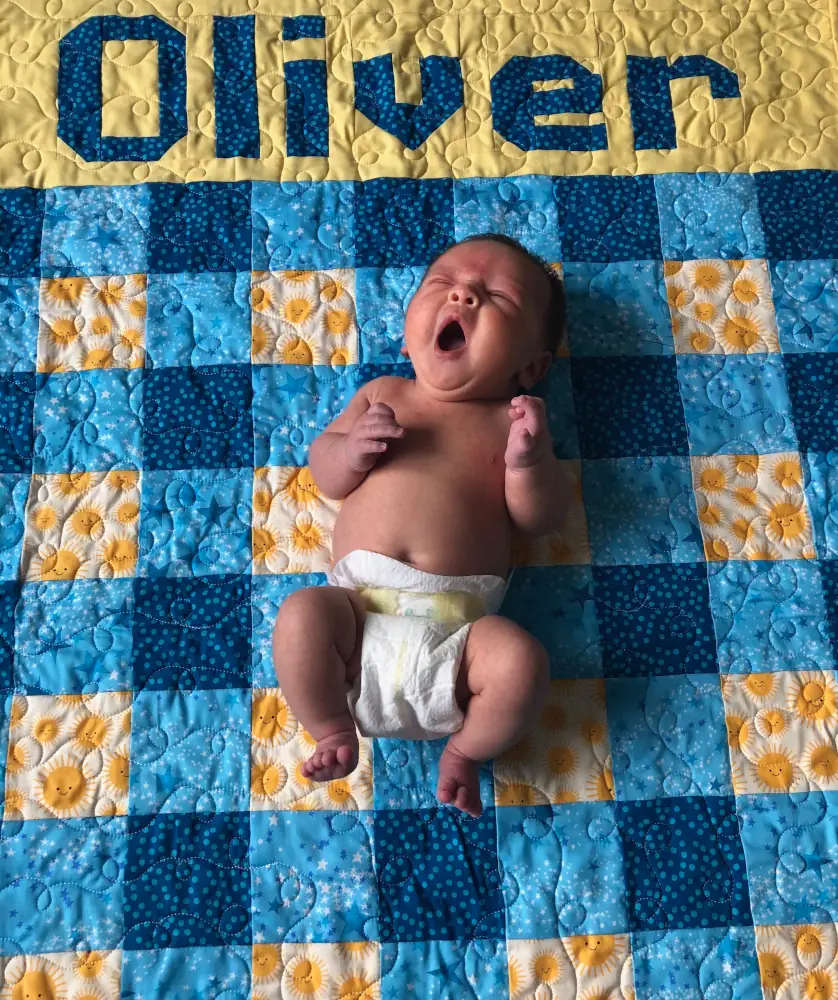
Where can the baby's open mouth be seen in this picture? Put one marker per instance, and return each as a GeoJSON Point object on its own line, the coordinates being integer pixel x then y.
{"type": "Point", "coordinates": [451, 338]}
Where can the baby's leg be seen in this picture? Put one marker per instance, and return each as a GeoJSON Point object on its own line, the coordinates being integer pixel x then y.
{"type": "Point", "coordinates": [316, 646]}
{"type": "Point", "coordinates": [504, 677]}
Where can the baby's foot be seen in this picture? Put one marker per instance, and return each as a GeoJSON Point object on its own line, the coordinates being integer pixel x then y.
{"type": "Point", "coordinates": [459, 782]}
{"type": "Point", "coordinates": [334, 757]}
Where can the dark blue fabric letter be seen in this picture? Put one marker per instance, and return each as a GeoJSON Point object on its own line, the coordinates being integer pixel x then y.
{"type": "Point", "coordinates": [236, 111]}
{"type": "Point", "coordinates": [306, 109]}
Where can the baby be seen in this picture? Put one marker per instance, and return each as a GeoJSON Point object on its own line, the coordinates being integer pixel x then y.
{"type": "Point", "coordinates": [436, 474]}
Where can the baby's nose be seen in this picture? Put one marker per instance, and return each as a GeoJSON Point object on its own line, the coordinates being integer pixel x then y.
{"type": "Point", "coordinates": [462, 295]}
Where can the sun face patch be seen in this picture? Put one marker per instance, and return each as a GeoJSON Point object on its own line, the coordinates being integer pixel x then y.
{"type": "Point", "coordinates": [593, 965]}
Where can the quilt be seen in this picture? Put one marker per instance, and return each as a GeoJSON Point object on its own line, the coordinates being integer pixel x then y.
{"type": "Point", "coordinates": [212, 218]}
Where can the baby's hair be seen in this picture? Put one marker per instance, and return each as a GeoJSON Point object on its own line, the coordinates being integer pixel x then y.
{"type": "Point", "coordinates": [557, 308]}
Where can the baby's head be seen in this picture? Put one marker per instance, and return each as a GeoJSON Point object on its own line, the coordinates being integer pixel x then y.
{"type": "Point", "coordinates": [486, 320]}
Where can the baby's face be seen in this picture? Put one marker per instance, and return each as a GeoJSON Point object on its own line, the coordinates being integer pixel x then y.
{"type": "Point", "coordinates": [474, 330]}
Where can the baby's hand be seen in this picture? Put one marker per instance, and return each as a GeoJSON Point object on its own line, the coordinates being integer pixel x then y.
{"type": "Point", "coordinates": [367, 440]}
{"type": "Point", "coordinates": [529, 439]}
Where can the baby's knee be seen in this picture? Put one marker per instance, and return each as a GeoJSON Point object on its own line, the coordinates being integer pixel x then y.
{"type": "Point", "coordinates": [298, 612]}
{"type": "Point", "coordinates": [533, 671]}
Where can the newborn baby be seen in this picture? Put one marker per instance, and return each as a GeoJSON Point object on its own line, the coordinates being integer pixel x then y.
{"type": "Point", "coordinates": [436, 474]}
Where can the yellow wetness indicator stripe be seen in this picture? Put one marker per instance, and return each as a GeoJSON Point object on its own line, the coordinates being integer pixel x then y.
{"type": "Point", "coordinates": [116, 93]}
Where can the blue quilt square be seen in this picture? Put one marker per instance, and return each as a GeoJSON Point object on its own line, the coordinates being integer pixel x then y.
{"type": "Point", "coordinates": [521, 207]}
{"type": "Point", "coordinates": [14, 490]}
{"type": "Point", "coordinates": [304, 26]}
{"type": "Point", "coordinates": [476, 969]}
{"type": "Point", "coordinates": [617, 310]}
{"type": "Point", "coordinates": [685, 866]}
{"type": "Point", "coordinates": [292, 405]}
{"type": "Point", "coordinates": [190, 752]}
{"type": "Point", "coordinates": [209, 972]}
{"type": "Point", "coordinates": [692, 963]}
{"type": "Point", "coordinates": [195, 523]}
{"type": "Point", "coordinates": [303, 224]}
{"type": "Point", "coordinates": [75, 638]}
{"type": "Point", "coordinates": [821, 479]}
{"type": "Point", "coordinates": [382, 296]}
{"type": "Point", "coordinates": [769, 616]}
{"type": "Point", "coordinates": [563, 870]}
{"type": "Point", "coordinates": [17, 395]}
{"type": "Point", "coordinates": [406, 774]}
{"type": "Point", "coordinates": [199, 227]}
{"type": "Point", "coordinates": [557, 393]}
{"type": "Point", "coordinates": [95, 230]}
{"type": "Point", "coordinates": [198, 319]}
{"type": "Point", "coordinates": [339, 903]}
{"type": "Point", "coordinates": [21, 222]}
{"type": "Point", "coordinates": [438, 875]}
{"type": "Point", "coordinates": [268, 592]}
{"type": "Point", "coordinates": [628, 406]}
{"type": "Point", "coordinates": [806, 304]}
{"type": "Point", "coordinates": [668, 737]}
{"type": "Point", "coordinates": [191, 633]}
{"type": "Point", "coordinates": [400, 223]}
{"type": "Point", "coordinates": [198, 418]}
{"type": "Point", "coordinates": [829, 575]}
{"type": "Point", "coordinates": [63, 883]}
{"type": "Point", "coordinates": [9, 596]}
{"type": "Point", "coordinates": [736, 405]}
{"type": "Point", "coordinates": [88, 420]}
{"type": "Point", "coordinates": [608, 218]}
{"type": "Point", "coordinates": [798, 209]}
{"type": "Point", "coordinates": [654, 620]}
{"type": "Point", "coordinates": [18, 324]}
{"type": "Point", "coordinates": [813, 387]}
{"type": "Point", "coordinates": [641, 510]}
{"type": "Point", "coordinates": [556, 604]}
{"type": "Point", "coordinates": [709, 215]}
{"type": "Point", "coordinates": [792, 852]}
{"type": "Point", "coordinates": [187, 881]}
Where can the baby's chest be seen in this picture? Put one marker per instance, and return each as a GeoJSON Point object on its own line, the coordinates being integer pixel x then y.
{"type": "Point", "coordinates": [465, 447]}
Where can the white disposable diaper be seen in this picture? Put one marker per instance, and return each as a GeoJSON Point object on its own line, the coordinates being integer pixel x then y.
{"type": "Point", "coordinates": [414, 636]}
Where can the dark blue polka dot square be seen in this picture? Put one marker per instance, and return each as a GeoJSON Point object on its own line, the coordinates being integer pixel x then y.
{"type": "Point", "coordinates": [402, 222]}
{"type": "Point", "coordinates": [187, 881]}
{"type": "Point", "coordinates": [438, 875]}
{"type": "Point", "coordinates": [654, 620]}
{"type": "Point", "coordinates": [198, 418]}
{"type": "Point", "coordinates": [9, 595]}
{"type": "Point", "coordinates": [17, 400]}
{"type": "Point", "coordinates": [21, 222]}
{"type": "Point", "coordinates": [799, 212]}
{"type": "Point", "coordinates": [199, 227]}
{"type": "Point", "coordinates": [685, 864]}
{"type": "Point", "coordinates": [191, 632]}
{"type": "Point", "coordinates": [813, 387]}
{"type": "Point", "coordinates": [626, 407]}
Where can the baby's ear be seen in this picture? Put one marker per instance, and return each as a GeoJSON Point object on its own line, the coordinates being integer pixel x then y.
{"type": "Point", "coordinates": [535, 370]}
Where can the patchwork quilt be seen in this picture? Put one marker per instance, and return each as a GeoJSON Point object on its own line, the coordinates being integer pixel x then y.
{"type": "Point", "coordinates": [212, 218]}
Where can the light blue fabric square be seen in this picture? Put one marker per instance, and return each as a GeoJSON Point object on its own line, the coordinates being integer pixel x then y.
{"type": "Point", "coordinates": [190, 752]}
{"type": "Point", "coordinates": [18, 324]}
{"type": "Point", "coordinates": [791, 847]}
{"type": "Point", "coordinates": [617, 309]}
{"type": "Point", "coordinates": [406, 774]}
{"type": "Point", "coordinates": [62, 884]}
{"type": "Point", "coordinates": [196, 972]}
{"type": "Point", "coordinates": [557, 393]}
{"type": "Point", "coordinates": [668, 736]}
{"type": "Point", "coordinates": [696, 964]}
{"type": "Point", "coordinates": [312, 876]}
{"type": "Point", "coordinates": [769, 616]}
{"type": "Point", "coordinates": [95, 230]}
{"type": "Point", "coordinates": [806, 303]}
{"type": "Point", "coordinates": [88, 420]}
{"type": "Point", "coordinates": [640, 511]}
{"type": "Point", "coordinates": [709, 215]}
{"type": "Point", "coordinates": [524, 208]}
{"type": "Point", "coordinates": [14, 490]}
{"type": "Point", "coordinates": [303, 224]}
{"type": "Point", "coordinates": [821, 478]}
{"type": "Point", "coordinates": [475, 968]}
{"type": "Point", "coordinates": [736, 405]}
{"type": "Point", "coordinates": [198, 319]}
{"type": "Point", "coordinates": [75, 638]}
{"type": "Point", "coordinates": [268, 592]}
{"type": "Point", "coordinates": [196, 522]}
{"type": "Point", "coordinates": [382, 297]}
{"type": "Point", "coordinates": [563, 870]}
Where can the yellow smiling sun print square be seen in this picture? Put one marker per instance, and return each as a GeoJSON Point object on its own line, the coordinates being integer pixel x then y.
{"type": "Point", "coordinates": [568, 546]}
{"type": "Point", "coordinates": [782, 730]}
{"type": "Point", "coordinates": [721, 307]}
{"type": "Point", "coordinates": [303, 318]}
{"type": "Point", "coordinates": [80, 975]}
{"type": "Point", "coordinates": [292, 522]}
{"type": "Point", "coordinates": [82, 525]}
{"type": "Point", "coordinates": [753, 507]}
{"type": "Point", "coordinates": [279, 746]}
{"type": "Point", "coordinates": [565, 757]}
{"type": "Point", "coordinates": [573, 968]}
{"type": "Point", "coordinates": [87, 323]}
{"type": "Point", "coordinates": [351, 969]}
{"type": "Point", "coordinates": [68, 756]}
{"type": "Point", "coordinates": [798, 960]}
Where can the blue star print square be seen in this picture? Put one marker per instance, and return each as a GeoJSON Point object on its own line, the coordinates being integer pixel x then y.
{"type": "Point", "coordinates": [18, 324]}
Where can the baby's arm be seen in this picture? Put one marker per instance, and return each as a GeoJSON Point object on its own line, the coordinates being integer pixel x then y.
{"type": "Point", "coordinates": [346, 451]}
{"type": "Point", "coordinates": [537, 488]}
